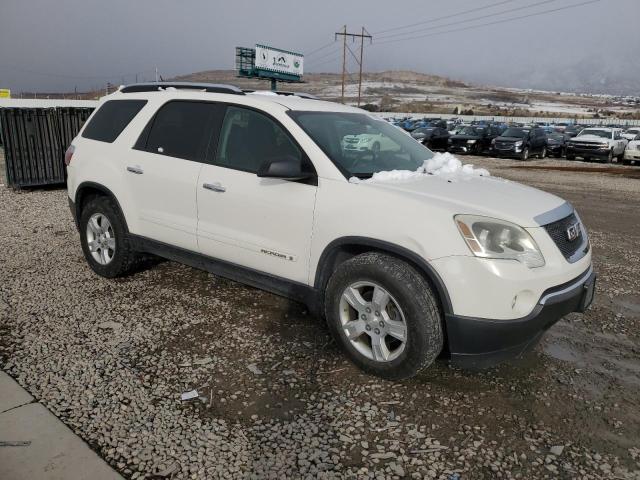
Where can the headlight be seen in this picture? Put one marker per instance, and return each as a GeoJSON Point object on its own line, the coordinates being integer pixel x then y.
{"type": "Point", "coordinates": [493, 142]}
{"type": "Point", "coordinates": [471, 141]}
{"type": "Point", "coordinates": [518, 143]}
{"type": "Point", "coordinates": [449, 141]}
{"type": "Point", "coordinates": [492, 238]}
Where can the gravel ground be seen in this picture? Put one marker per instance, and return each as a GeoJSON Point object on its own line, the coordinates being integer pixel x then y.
{"type": "Point", "coordinates": [277, 399]}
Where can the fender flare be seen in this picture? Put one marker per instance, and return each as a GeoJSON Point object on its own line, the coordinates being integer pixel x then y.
{"type": "Point", "coordinates": [324, 271]}
{"type": "Point", "coordinates": [100, 188]}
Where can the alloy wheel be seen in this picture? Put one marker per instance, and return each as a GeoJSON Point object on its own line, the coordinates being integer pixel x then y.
{"type": "Point", "coordinates": [101, 238]}
{"type": "Point", "coordinates": [373, 321]}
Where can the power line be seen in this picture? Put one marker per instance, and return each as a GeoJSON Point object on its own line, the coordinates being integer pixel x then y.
{"type": "Point", "coordinates": [470, 27]}
{"type": "Point", "coordinates": [444, 17]}
{"type": "Point", "coordinates": [313, 52]}
{"type": "Point", "coordinates": [325, 55]}
{"type": "Point", "coordinates": [469, 19]}
{"type": "Point", "coordinates": [314, 65]}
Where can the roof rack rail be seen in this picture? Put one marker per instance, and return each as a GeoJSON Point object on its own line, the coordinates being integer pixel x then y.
{"type": "Point", "coordinates": [308, 96]}
{"type": "Point", "coordinates": [157, 86]}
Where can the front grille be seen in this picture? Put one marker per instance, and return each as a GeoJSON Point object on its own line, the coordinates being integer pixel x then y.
{"type": "Point", "coordinates": [586, 146]}
{"type": "Point", "coordinates": [504, 145]}
{"type": "Point", "coordinates": [459, 142]}
{"type": "Point", "coordinates": [558, 233]}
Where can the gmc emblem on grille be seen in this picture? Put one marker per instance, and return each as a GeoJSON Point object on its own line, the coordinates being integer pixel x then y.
{"type": "Point", "coordinates": [573, 232]}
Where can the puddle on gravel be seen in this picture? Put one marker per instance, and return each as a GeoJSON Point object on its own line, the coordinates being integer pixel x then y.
{"type": "Point", "coordinates": [613, 356]}
{"type": "Point", "coordinates": [628, 305]}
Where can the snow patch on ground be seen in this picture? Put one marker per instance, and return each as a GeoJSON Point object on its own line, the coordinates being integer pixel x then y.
{"type": "Point", "coordinates": [443, 164]}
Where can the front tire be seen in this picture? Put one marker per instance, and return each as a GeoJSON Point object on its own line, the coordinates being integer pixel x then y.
{"type": "Point", "coordinates": [609, 158]}
{"type": "Point", "coordinates": [385, 315]}
{"type": "Point", "coordinates": [525, 154]}
{"type": "Point", "coordinates": [104, 238]}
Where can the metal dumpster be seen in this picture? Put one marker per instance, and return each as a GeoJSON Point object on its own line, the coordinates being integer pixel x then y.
{"type": "Point", "coordinates": [35, 140]}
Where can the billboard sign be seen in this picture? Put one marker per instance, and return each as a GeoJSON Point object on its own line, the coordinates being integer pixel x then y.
{"type": "Point", "coordinates": [5, 93]}
{"type": "Point", "coordinates": [281, 61]}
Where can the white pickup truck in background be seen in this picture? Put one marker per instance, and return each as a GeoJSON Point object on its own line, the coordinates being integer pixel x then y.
{"type": "Point", "coordinates": [597, 143]}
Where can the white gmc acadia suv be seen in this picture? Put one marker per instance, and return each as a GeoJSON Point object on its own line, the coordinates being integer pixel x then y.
{"type": "Point", "coordinates": [267, 190]}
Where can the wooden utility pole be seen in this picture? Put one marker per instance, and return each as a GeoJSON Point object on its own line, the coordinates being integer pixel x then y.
{"type": "Point", "coordinates": [364, 34]}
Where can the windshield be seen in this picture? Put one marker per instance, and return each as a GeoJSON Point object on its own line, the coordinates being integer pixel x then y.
{"type": "Point", "coordinates": [514, 132]}
{"type": "Point", "coordinates": [596, 132]}
{"type": "Point", "coordinates": [475, 131]}
{"type": "Point", "coordinates": [360, 144]}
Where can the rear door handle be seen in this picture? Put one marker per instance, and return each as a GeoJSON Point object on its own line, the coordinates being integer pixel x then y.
{"type": "Point", "coordinates": [136, 170]}
{"type": "Point", "coordinates": [216, 187]}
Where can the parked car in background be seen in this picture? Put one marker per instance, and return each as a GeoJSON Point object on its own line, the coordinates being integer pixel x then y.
{"type": "Point", "coordinates": [437, 122]}
{"type": "Point", "coordinates": [365, 142]}
{"type": "Point", "coordinates": [520, 143]}
{"type": "Point", "coordinates": [632, 152]}
{"type": "Point", "coordinates": [434, 138]}
{"type": "Point", "coordinates": [572, 130]}
{"type": "Point", "coordinates": [601, 143]}
{"type": "Point", "coordinates": [472, 139]}
{"type": "Point", "coordinates": [631, 133]}
{"type": "Point", "coordinates": [556, 144]}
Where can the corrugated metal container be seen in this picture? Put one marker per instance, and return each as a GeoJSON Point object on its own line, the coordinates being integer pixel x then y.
{"type": "Point", "coordinates": [35, 140]}
{"type": "Point", "coordinates": [70, 121]}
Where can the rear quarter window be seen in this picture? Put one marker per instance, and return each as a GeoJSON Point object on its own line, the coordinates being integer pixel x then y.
{"type": "Point", "coordinates": [111, 119]}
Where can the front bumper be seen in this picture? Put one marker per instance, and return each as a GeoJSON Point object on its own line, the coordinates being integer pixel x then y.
{"type": "Point", "coordinates": [466, 148]}
{"type": "Point", "coordinates": [554, 148]}
{"type": "Point", "coordinates": [601, 153]}
{"type": "Point", "coordinates": [632, 154]}
{"type": "Point", "coordinates": [506, 152]}
{"type": "Point", "coordinates": [481, 342]}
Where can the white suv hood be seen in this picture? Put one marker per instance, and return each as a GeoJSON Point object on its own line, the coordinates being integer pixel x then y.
{"type": "Point", "coordinates": [488, 196]}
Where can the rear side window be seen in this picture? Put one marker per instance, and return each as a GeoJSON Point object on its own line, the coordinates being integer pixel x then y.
{"type": "Point", "coordinates": [111, 119]}
{"type": "Point", "coordinates": [182, 129]}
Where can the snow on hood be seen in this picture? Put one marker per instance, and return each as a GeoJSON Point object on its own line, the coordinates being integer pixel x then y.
{"type": "Point", "coordinates": [444, 182]}
{"type": "Point", "coordinates": [443, 164]}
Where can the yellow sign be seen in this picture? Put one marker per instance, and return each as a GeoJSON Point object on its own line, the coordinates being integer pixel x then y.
{"type": "Point", "coordinates": [5, 93]}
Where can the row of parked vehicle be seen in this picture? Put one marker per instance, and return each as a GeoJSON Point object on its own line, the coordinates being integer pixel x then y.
{"type": "Point", "coordinates": [524, 141]}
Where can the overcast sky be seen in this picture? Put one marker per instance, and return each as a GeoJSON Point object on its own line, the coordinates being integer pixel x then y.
{"type": "Point", "coordinates": [50, 45]}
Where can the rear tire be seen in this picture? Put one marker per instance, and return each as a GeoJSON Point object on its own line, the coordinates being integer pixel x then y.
{"type": "Point", "coordinates": [543, 153]}
{"type": "Point", "coordinates": [105, 243]}
{"type": "Point", "coordinates": [410, 307]}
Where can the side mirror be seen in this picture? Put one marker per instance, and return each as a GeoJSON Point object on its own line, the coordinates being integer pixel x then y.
{"type": "Point", "coordinates": [285, 168]}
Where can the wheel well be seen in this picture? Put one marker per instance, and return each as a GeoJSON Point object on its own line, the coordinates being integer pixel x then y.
{"type": "Point", "coordinates": [86, 192]}
{"type": "Point", "coordinates": [332, 257]}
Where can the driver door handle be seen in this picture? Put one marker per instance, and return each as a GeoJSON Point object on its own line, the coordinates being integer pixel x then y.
{"type": "Point", "coordinates": [216, 187]}
{"type": "Point", "coordinates": [136, 170]}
